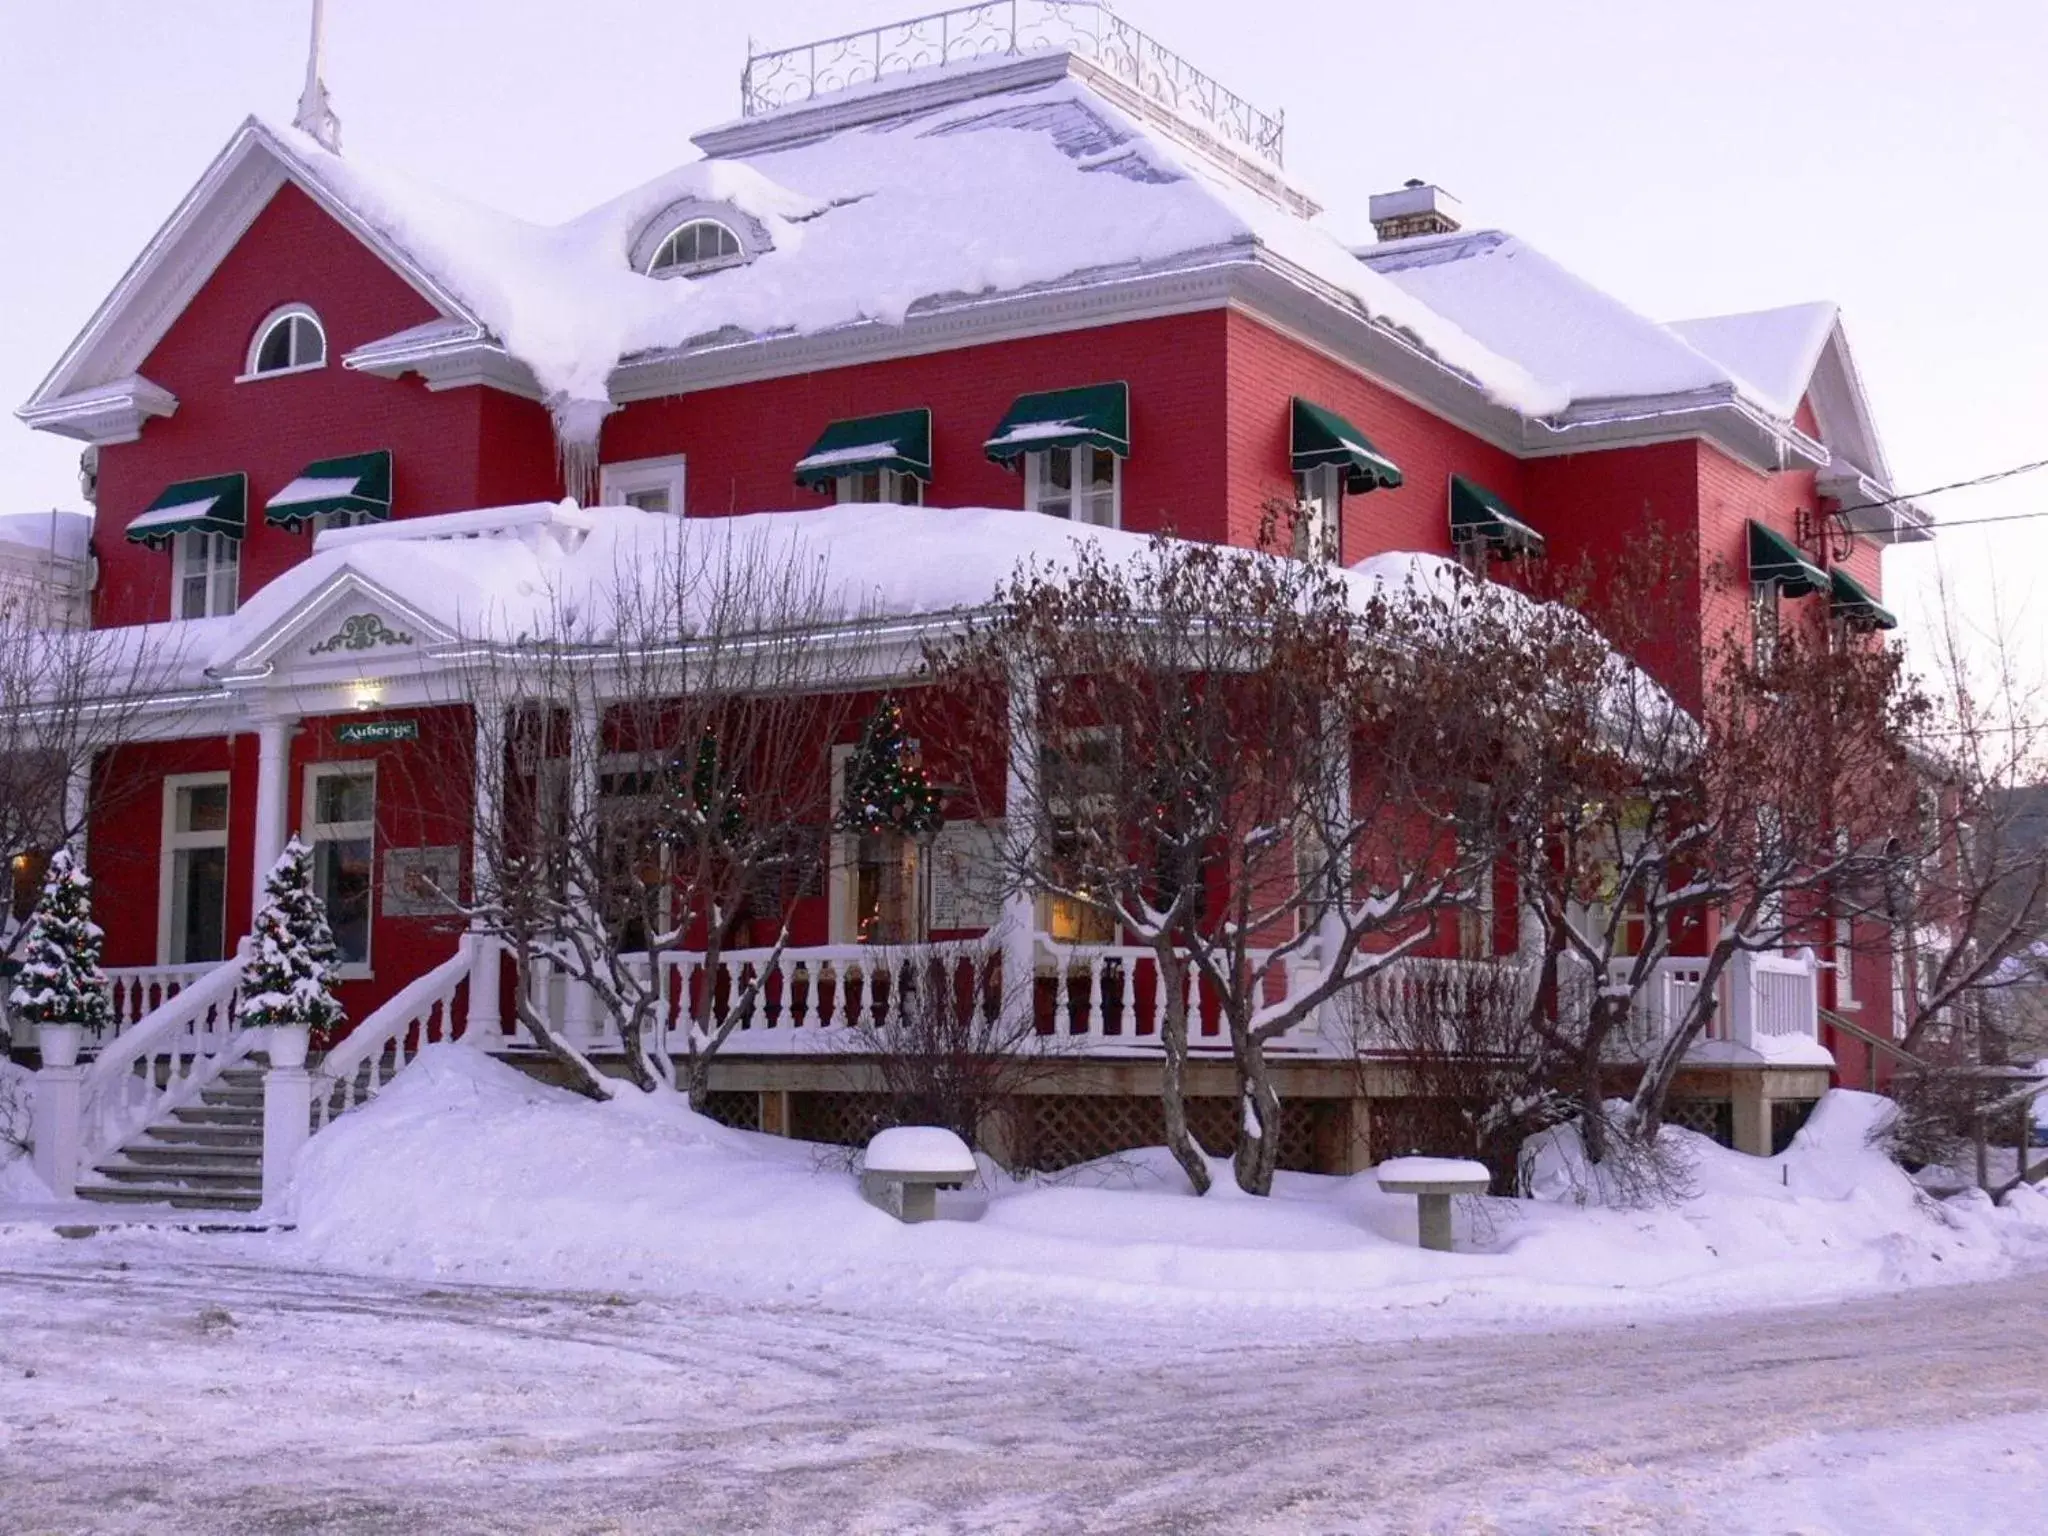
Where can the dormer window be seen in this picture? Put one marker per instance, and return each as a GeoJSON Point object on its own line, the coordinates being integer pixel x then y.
{"type": "Point", "coordinates": [692, 249]}
{"type": "Point", "coordinates": [291, 340]}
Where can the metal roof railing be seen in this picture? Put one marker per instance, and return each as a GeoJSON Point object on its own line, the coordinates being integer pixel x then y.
{"type": "Point", "coordinates": [1010, 29]}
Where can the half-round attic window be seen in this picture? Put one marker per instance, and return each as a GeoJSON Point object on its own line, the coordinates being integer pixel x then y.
{"type": "Point", "coordinates": [701, 245]}
{"type": "Point", "coordinates": [288, 340]}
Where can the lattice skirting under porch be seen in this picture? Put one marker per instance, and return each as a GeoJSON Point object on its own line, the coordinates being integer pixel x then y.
{"type": "Point", "coordinates": [1060, 1130]}
{"type": "Point", "coordinates": [1052, 1131]}
{"type": "Point", "coordinates": [740, 1110]}
{"type": "Point", "coordinates": [1710, 1117]}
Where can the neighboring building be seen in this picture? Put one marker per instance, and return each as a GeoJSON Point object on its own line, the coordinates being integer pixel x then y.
{"type": "Point", "coordinates": [1025, 282]}
{"type": "Point", "coordinates": [46, 570]}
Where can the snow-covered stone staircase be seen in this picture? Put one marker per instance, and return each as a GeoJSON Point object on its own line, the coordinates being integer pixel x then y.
{"type": "Point", "coordinates": [203, 1156]}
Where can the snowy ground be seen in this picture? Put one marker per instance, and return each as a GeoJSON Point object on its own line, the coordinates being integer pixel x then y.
{"type": "Point", "coordinates": [163, 1384]}
{"type": "Point", "coordinates": [507, 1309]}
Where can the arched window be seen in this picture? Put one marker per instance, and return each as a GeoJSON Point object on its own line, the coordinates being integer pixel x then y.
{"type": "Point", "coordinates": [702, 245]}
{"type": "Point", "coordinates": [287, 341]}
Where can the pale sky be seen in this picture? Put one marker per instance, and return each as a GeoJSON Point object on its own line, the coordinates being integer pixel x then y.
{"type": "Point", "coordinates": [1886, 154]}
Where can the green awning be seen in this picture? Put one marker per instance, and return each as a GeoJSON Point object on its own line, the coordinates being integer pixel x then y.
{"type": "Point", "coordinates": [1323, 437]}
{"type": "Point", "coordinates": [219, 504]}
{"type": "Point", "coordinates": [901, 440]}
{"type": "Point", "coordinates": [1773, 558]}
{"type": "Point", "coordinates": [360, 482]}
{"type": "Point", "coordinates": [1097, 416]}
{"type": "Point", "coordinates": [1848, 601]}
{"type": "Point", "coordinates": [1476, 513]}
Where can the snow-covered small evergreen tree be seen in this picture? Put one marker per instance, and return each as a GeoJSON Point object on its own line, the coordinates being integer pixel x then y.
{"type": "Point", "coordinates": [60, 981]}
{"type": "Point", "coordinates": [289, 977]}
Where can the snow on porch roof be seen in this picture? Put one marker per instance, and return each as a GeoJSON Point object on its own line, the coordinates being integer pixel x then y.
{"type": "Point", "coordinates": [876, 563]}
{"type": "Point", "coordinates": [1026, 188]}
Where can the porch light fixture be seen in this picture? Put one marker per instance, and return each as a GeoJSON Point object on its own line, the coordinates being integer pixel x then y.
{"type": "Point", "coordinates": [367, 694]}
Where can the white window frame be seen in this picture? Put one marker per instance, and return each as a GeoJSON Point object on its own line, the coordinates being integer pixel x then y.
{"type": "Point", "coordinates": [733, 258]}
{"type": "Point", "coordinates": [618, 483]}
{"type": "Point", "coordinates": [218, 558]}
{"type": "Point", "coordinates": [312, 833]}
{"type": "Point", "coordinates": [175, 842]}
{"type": "Point", "coordinates": [284, 312]}
{"type": "Point", "coordinates": [1764, 622]}
{"type": "Point", "coordinates": [891, 484]}
{"type": "Point", "coordinates": [1319, 522]}
{"type": "Point", "coordinates": [1038, 489]}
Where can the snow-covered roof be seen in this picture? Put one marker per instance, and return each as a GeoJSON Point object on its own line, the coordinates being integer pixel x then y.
{"type": "Point", "coordinates": [1771, 352]}
{"type": "Point", "coordinates": [1008, 193]}
{"type": "Point", "coordinates": [1575, 338]}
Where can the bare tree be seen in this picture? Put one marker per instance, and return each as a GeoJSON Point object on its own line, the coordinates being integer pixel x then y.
{"type": "Point", "coordinates": [664, 792]}
{"type": "Point", "coordinates": [1716, 832]}
{"type": "Point", "coordinates": [1270, 773]}
{"type": "Point", "coordinates": [73, 704]}
{"type": "Point", "coordinates": [958, 1047]}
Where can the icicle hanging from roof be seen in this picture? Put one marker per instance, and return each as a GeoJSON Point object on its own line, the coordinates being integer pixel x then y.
{"type": "Point", "coordinates": [316, 115]}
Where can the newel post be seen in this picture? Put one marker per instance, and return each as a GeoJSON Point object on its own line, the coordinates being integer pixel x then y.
{"type": "Point", "coordinates": [287, 1124]}
{"type": "Point", "coordinates": [59, 1100]}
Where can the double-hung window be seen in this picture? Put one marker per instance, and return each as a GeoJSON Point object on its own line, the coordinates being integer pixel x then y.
{"type": "Point", "coordinates": [209, 573]}
{"type": "Point", "coordinates": [652, 485]}
{"type": "Point", "coordinates": [1071, 445]}
{"type": "Point", "coordinates": [195, 869]}
{"type": "Point", "coordinates": [1318, 520]}
{"type": "Point", "coordinates": [1083, 485]}
{"type": "Point", "coordinates": [880, 486]}
{"type": "Point", "coordinates": [341, 830]}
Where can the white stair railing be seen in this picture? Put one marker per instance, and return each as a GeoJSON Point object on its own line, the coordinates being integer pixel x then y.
{"type": "Point", "coordinates": [166, 1059]}
{"type": "Point", "coordinates": [378, 1049]}
{"type": "Point", "coordinates": [136, 991]}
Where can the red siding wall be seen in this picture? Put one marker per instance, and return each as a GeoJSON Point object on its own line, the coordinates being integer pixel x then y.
{"type": "Point", "coordinates": [1267, 369]}
{"type": "Point", "coordinates": [272, 428]}
{"type": "Point", "coordinates": [743, 442]}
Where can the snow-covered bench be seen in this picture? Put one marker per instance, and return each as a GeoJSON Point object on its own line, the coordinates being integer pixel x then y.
{"type": "Point", "coordinates": [1433, 1180]}
{"type": "Point", "coordinates": [907, 1165]}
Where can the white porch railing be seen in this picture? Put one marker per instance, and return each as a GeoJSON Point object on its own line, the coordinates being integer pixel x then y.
{"type": "Point", "coordinates": [822, 998]}
{"type": "Point", "coordinates": [1769, 1003]}
{"type": "Point", "coordinates": [377, 1049]}
{"type": "Point", "coordinates": [1107, 1000]}
{"type": "Point", "coordinates": [136, 991]}
{"type": "Point", "coordinates": [165, 1059]}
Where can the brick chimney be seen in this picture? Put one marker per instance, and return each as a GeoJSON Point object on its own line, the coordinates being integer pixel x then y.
{"type": "Point", "coordinates": [1417, 209]}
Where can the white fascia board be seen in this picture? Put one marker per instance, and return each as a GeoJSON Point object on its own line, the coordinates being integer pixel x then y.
{"type": "Point", "coordinates": [185, 252]}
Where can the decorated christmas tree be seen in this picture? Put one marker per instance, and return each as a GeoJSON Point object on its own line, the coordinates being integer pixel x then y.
{"type": "Point", "coordinates": [289, 976]}
{"type": "Point", "coordinates": [60, 981]}
{"type": "Point", "coordinates": [887, 788]}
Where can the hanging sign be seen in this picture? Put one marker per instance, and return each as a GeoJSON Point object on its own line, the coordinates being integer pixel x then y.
{"type": "Point", "coordinates": [366, 732]}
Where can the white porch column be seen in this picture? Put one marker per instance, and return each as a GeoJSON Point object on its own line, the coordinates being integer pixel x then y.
{"type": "Point", "coordinates": [273, 788]}
{"type": "Point", "coordinates": [59, 1097]}
{"type": "Point", "coordinates": [1018, 927]}
{"type": "Point", "coordinates": [77, 803]}
{"type": "Point", "coordinates": [486, 1014]}
{"type": "Point", "coordinates": [586, 745]}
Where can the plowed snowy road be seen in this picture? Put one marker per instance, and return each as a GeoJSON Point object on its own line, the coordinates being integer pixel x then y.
{"type": "Point", "coordinates": [316, 1403]}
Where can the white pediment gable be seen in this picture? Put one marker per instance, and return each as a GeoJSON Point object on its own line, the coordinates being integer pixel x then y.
{"type": "Point", "coordinates": [350, 625]}
{"type": "Point", "coordinates": [190, 247]}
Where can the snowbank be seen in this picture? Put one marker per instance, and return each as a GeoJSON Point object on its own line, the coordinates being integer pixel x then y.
{"type": "Point", "coordinates": [18, 1182]}
{"type": "Point", "coordinates": [465, 1169]}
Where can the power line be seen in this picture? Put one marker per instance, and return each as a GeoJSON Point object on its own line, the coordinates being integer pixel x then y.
{"type": "Point", "coordinates": [1955, 485]}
